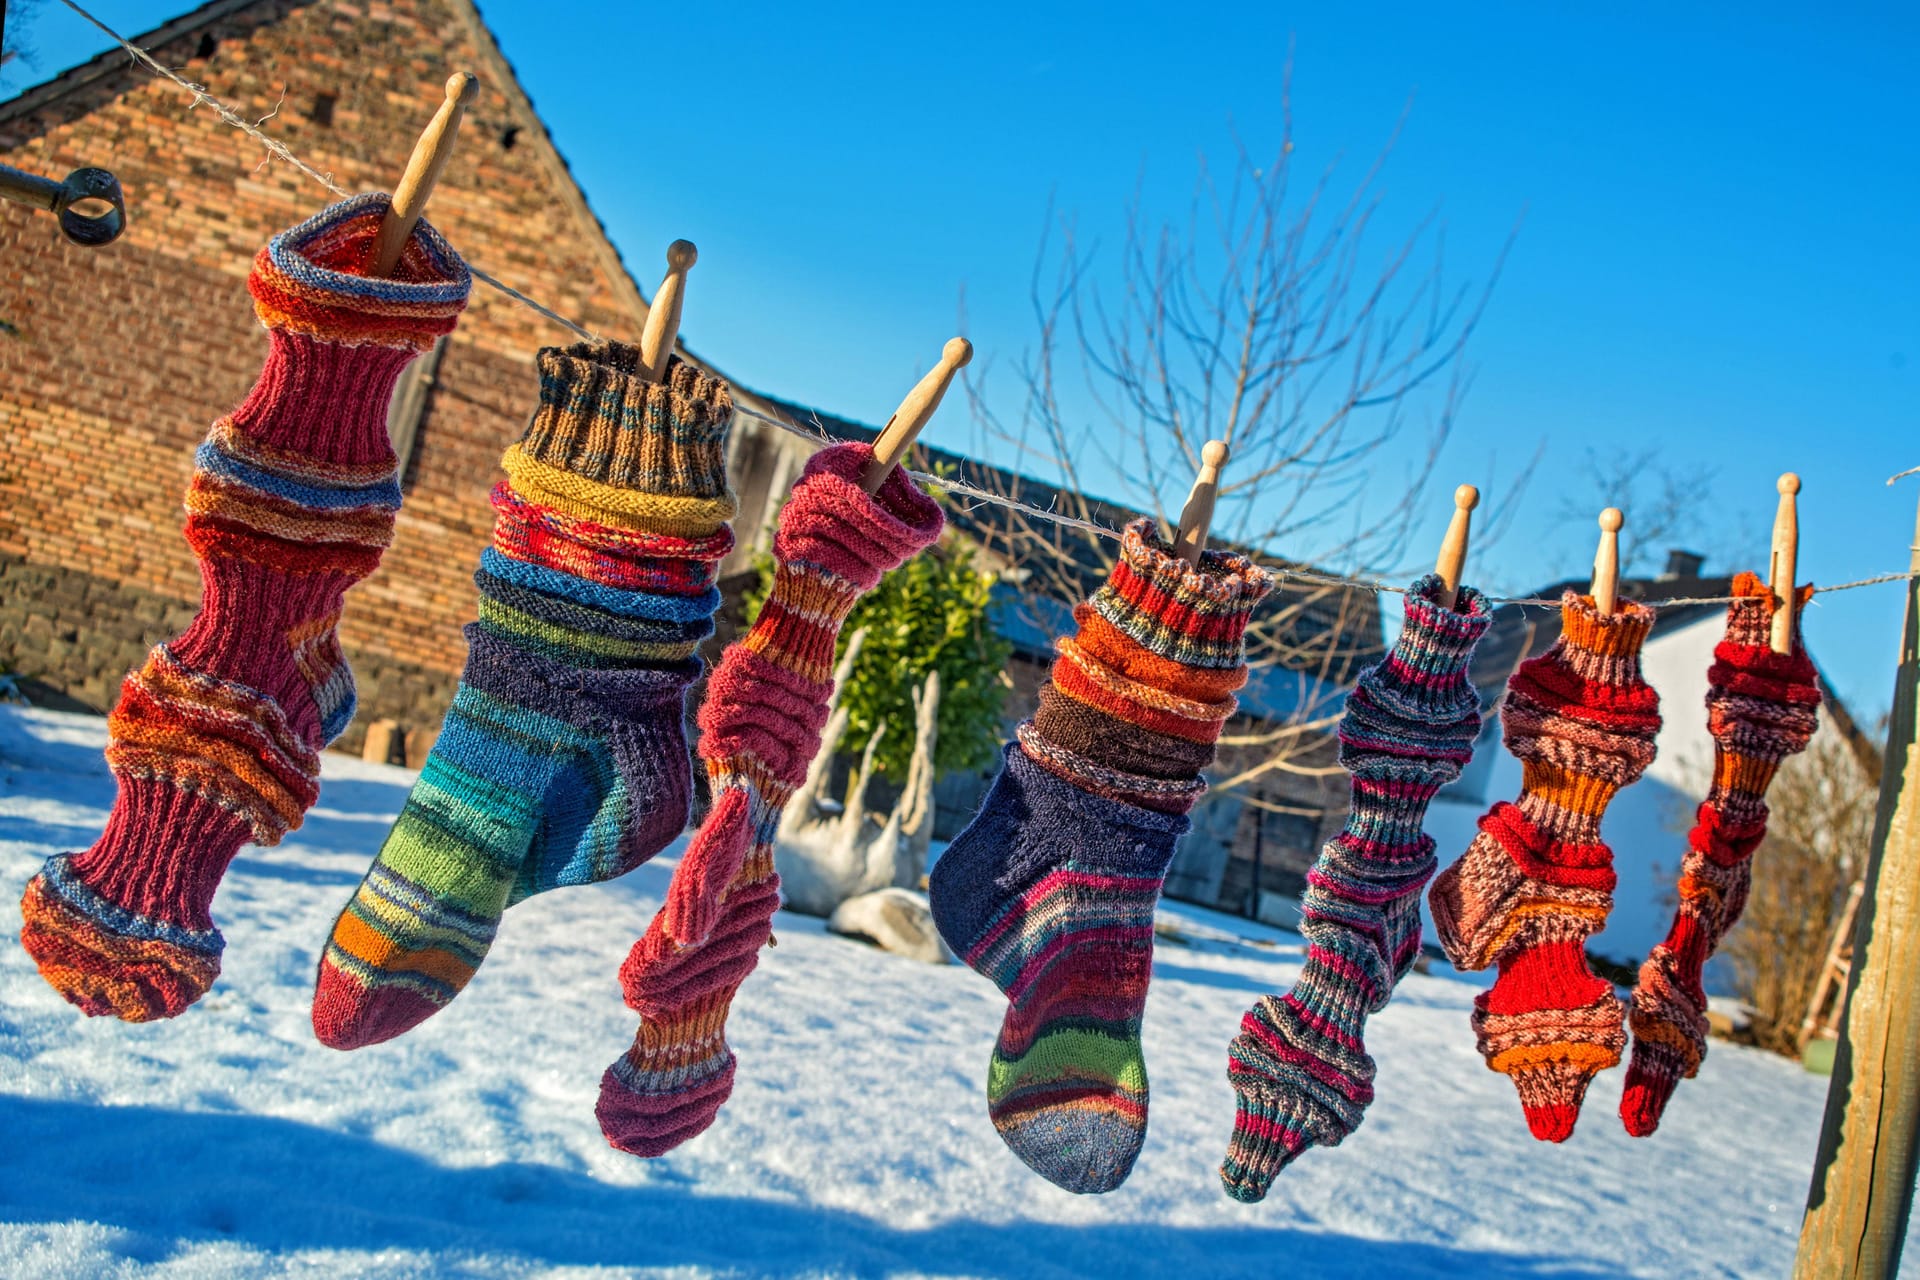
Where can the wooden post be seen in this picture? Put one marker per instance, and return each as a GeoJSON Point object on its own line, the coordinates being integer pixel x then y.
{"type": "Point", "coordinates": [1863, 1173]}
{"type": "Point", "coordinates": [384, 740]}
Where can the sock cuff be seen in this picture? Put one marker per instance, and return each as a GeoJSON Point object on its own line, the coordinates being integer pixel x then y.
{"type": "Point", "coordinates": [1084, 676]}
{"type": "Point", "coordinates": [1762, 706]}
{"type": "Point", "coordinates": [597, 502]}
{"type": "Point", "coordinates": [1583, 707]}
{"type": "Point", "coordinates": [1173, 796]}
{"type": "Point", "coordinates": [1436, 642]}
{"type": "Point", "coordinates": [600, 420]}
{"type": "Point", "coordinates": [1413, 717]}
{"type": "Point", "coordinates": [1115, 735]}
{"type": "Point", "coordinates": [1195, 615]}
{"type": "Point", "coordinates": [312, 279]}
{"type": "Point", "coordinates": [620, 559]}
{"type": "Point", "coordinates": [1605, 650]}
{"type": "Point", "coordinates": [832, 524]}
{"type": "Point", "coordinates": [515, 512]}
{"type": "Point", "coordinates": [766, 704]}
{"type": "Point", "coordinates": [1101, 641]}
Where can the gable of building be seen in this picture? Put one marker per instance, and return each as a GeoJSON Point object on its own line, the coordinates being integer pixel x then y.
{"type": "Point", "coordinates": [115, 360]}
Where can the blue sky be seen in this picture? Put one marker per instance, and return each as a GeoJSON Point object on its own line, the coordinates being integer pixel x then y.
{"type": "Point", "coordinates": [1717, 259]}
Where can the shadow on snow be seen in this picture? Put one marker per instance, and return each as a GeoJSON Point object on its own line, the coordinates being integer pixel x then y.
{"type": "Point", "coordinates": [167, 1177]}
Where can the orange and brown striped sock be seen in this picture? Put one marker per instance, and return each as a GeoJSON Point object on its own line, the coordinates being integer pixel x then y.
{"type": "Point", "coordinates": [1538, 881]}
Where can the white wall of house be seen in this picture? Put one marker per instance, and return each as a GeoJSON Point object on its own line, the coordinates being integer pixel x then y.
{"type": "Point", "coordinates": [1646, 823]}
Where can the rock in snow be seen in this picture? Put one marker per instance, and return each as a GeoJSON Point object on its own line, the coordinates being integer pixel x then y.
{"type": "Point", "coordinates": [896, 920]}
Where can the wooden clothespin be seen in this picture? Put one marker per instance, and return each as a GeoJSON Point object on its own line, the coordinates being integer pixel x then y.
{"type": "Point", "coordinates": [1197, 516]}
{"type": "Point", "coordinates": [1606, 562]}
{"type": "Point", "coordinates": [1786, 554]}
{"type": "Point", "coordinates": [914, 412]}
{"type": "Point", "coordinates": [663, 313]}
{"type": "Point", "coordinates": [1453, 547]}
{"type": "Point", "coordinates": [423, 171]}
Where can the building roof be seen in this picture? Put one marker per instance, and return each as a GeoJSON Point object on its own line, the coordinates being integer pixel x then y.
{"type": "Point", "coordinates": [1520, 631]}
{"type": "Point", "coordinates": [1032, 625]}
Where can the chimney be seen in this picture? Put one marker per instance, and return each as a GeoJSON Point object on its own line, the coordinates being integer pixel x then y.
{"type": "Point", "coordinates": [1682, 564]}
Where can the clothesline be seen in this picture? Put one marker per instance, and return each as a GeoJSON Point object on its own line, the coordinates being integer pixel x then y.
{"type": "Point", "coordinates": [819, 436]}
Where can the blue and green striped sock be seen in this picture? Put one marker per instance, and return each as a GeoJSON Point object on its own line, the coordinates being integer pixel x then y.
{"type": "Point", "coordinates": [563, 759]}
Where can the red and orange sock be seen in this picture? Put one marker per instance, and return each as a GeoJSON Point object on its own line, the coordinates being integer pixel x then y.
{"type": "Point", "coordinates": [216, 740]}
{"type": "Point", "coordinates": [1538, 881]}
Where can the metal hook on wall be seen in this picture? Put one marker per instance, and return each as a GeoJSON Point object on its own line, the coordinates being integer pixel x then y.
{"type": "Point", "coordinates": [70, 202]}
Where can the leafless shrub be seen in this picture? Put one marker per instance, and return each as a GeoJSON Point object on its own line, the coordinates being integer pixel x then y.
{"type": "Point", "coordinates": [1816, 847]}
{"type": "Point", "coordinates": [1274, 317]}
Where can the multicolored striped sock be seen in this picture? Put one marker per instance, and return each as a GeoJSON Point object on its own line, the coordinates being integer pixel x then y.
{"type": "Point", "coordinates": [759, 730]}
{"type": "Point", "coordinates": [1537, 881]}
{"type": "Point", "coordinates": [1050, 890]}
{"type": "Point", "coordinates": [216, 740]}
{"type": "Point", "coordinates": [564, 758]}
{"type": "Point", "coordinates": [1762, 707]}
{"type": "Point", "coordinates": [1299, 1067]}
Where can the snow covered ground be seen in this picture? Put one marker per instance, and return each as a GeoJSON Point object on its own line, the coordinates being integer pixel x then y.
{"type": "Point", "coordinates": [229, 1143]}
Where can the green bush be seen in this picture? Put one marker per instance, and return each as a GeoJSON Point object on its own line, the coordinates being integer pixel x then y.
{"type": "Point", "coordinates": [929, 614]}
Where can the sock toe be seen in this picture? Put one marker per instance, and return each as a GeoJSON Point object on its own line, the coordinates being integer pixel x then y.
{"type": "Point", "coordinates": [641, 1120]}
{"type": "Point", "coordinates": [1086, 1144]}
{"type": "Point", "coordinates": [1550, 1095]}
{"type": "Point", "coordinates": [1645, 1099]}
{"type": "Point", "coordinates": [1268, 1135]}
{"type": "Point", "coordinates": [351, 1014]}
{"type": "Point", "coordinates": [1552, 1122]}
{"type": "Point", "coordinates": [109, 962]}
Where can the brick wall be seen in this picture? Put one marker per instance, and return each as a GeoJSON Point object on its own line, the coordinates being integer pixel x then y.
{"type": "Point", "coordinates": [114, 361]}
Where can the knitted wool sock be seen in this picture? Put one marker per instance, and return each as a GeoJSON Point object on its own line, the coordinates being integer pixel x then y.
{"type": "Point", "coordinates": [1761, 708]}
{"type": "Point", "coordinates": [215, 740]}
{"type": "Point", "coordinates": [1537, 881]}
{"type": "Point", "coordinates": [759, 730]}
{"type": "Point", "coordinates": [1299, 1068]}
{"type": "Point", "coordinates": [1050, 890]}
{"type": "Point", "coordinates": [563, 759]}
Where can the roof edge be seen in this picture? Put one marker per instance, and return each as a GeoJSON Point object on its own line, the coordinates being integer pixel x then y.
{"type": "Point", "coordinates": [572, 195]}
{"type": "Point", "coordinates": [103, 64]}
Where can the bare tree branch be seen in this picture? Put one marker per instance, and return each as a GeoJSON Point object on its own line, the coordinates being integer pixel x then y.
{"type": "Point", "coordinates": [1271, 314]}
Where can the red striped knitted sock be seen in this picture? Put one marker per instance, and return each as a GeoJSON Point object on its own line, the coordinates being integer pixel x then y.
{"type": "Point", "coordinates": [215, 740]}
{"type": "Point", "coordinates": [1537, 881]}
{"type": "Point", "coordinates": [1762, 707]}
{"type": "Point", "coordinates": [759, 730]}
